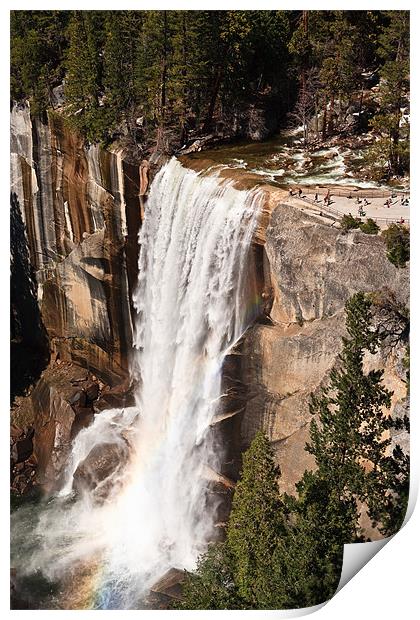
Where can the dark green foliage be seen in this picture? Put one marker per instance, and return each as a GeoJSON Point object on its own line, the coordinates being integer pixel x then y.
{"type": "Point", "coordinates": [311, 553]}
{"type": "Point", "coordinates": [37, 47]}
{"type": "Point", "coordinates": [331, 51]}
{"type": "Point", "coordinates": [370, 227]}
{"type": "Point", "coordinates": [189, 72]}
{"type": "Point", "coordinates": [84, 63]}
{"type": "Point", "coordinates": [243, 572]}
{"type": "Point", "coordinates": [390, 486]}
{"type": "Point", "coordinates": [120, 54]}
{"type": "Point", "coordinates": [390, 153]}
{"type": "Point", "coordinates": [255, 525]}
{"type": "Point", "coordinates": [348, 222]}
{"type": "Point", "coordinates": [211, 586]}
{"type": "Point", "coordinates": [397, 238]}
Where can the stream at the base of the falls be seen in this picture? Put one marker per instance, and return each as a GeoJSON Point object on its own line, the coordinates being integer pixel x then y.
{"type": "Point", "coordinates": [194, 299]}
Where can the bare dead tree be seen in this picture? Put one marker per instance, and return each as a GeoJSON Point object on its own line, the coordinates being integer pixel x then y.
{"type": "Point", "coordinates": [306, 109]}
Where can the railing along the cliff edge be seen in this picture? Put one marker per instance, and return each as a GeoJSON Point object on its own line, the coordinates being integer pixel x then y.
{"type": "Point", "coordinates": [358, 192]}
{"type": "Point", "coordinates": [340, 214]}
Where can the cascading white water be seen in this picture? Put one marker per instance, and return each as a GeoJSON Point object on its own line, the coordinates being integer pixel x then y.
{"type": "Point", "coordinates": [193, 302]}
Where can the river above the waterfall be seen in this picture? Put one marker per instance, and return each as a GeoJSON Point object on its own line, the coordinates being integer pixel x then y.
{"type": "Point", "coordinates": [283, 161]}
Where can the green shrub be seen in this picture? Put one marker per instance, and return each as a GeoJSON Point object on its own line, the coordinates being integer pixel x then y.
{"type": "Point", "coordinates": [397, 238]}
{"type": "Point", "coordinates": [348, 222]}
{"type": "Point", "coordinates": [369, 227]}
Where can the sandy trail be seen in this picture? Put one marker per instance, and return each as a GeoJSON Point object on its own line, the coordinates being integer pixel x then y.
{"type": "Point", "coordinates": [342, 204]}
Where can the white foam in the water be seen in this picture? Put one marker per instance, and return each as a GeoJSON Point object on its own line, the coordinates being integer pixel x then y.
{"type": "Point", "coordinates": [191, 301]}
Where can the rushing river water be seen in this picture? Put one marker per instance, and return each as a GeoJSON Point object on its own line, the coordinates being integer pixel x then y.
{"type": "Point", "coordinates": [104, 548]}
{"type": "Point", "coordinates": [284, 161]}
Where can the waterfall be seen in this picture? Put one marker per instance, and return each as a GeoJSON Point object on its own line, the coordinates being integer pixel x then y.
{"type": "Point", "coordinates": [194, 299]}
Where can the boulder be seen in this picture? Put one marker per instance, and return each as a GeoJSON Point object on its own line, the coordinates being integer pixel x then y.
{"type": "Point", "coordinates": [83, 418]}
{"type": "Point", "coordinates": [97, 473]}
{"type": "Point", "coordinates": [169, 586]}
{"type": "Point", "coordinates": [78, 399]}
{"type": "Point", "coordinates": [22, 449]}
{"type": "Point", "coordinates": [91, 389]}
{"type": "Point", "coordinates": [60, 410]}
{"type": "Point", "coordinates": [120, 396]}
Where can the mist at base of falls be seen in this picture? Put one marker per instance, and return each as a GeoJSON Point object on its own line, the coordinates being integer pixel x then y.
{"type": "Point", "coordinates": [194, 300]}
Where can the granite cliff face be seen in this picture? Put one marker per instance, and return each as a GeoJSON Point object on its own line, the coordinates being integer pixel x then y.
{"type": "Point", "coordinates": [313, 270]}
{"type": "Point", "coordinates": [82, 211]}
{"type": "Point", "coordinates": [76, 216]}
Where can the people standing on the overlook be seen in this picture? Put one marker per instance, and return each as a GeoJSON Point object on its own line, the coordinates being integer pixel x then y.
{"type": "Point", "coordinates": [316, 197]}
{"type": "Point", "coordinates": [327, 200]}
{"type": "Point", "coordinates": [300, 192]}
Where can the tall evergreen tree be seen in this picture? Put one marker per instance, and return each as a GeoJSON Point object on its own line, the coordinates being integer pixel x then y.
{"type": "Point", "coordinates": [243, 572]}
{"type": "Point", "coordinates": [84, 63]}
{"type": "Point", "coordinates": [211, 585]}
{"type": "Point", "coordinates": [309, 557]}
{"type": "Point", "coordinates": [350, 409]}
{"type": "Point", "coordinates": [38, 43]}
{"type": "Point", "coordinates": [390, 154]}
{"type": "Point", "coordinates": [181, 71]}
{"type": "Point", "coordinates": [123, 31]}
{"type": "Point", "coordinates": [255, 524]}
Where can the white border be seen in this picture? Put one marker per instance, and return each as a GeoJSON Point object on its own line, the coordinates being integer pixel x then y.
{"type": "Point", "coordinates": [387, 586]}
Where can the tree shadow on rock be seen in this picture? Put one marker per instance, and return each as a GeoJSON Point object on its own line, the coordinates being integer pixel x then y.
{"type": "Point", "coordinates": [29, 348]}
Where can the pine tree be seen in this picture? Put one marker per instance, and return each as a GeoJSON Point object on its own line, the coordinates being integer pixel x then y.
{"type": "Point", "coordinates": [255, 524]}
{"type": "Point", "coordinates": [350, 444]}
{"type": "Point", "coordinates": [83, 85]}
{"type": "Point", "coordinates": [300, 46]}
{"type": "Point", "coordinates": [397, 238]}
{"type": "Point", "coordinates": [122, 39]}
{"type": "Point", "coordinates": [211, 585]}
{"type": "Point", "coordinates": [286, 552]}
{"type": "Point", "coordinates": [37, 47]}
{"type": "Point", "coordinates": [339, 70]}
{"type": "Point", "coordinates": [243, 572]}
{"type": "Point", "coordinates": [309, 557]}
{"type": "Point", "coordinates": [187, 70]}
{"type": "Point", "coordinates": [391, 127]}
{"type": "Point", "coordinates": [350, 409]}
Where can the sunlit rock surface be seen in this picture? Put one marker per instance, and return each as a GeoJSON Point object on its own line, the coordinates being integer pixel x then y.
{"type": "Point", "coordinates": [82, 212]}
{"type": "Point", "coordinates": [62, 404]}
{"type": "Point", "coordinates": [313, 269]}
